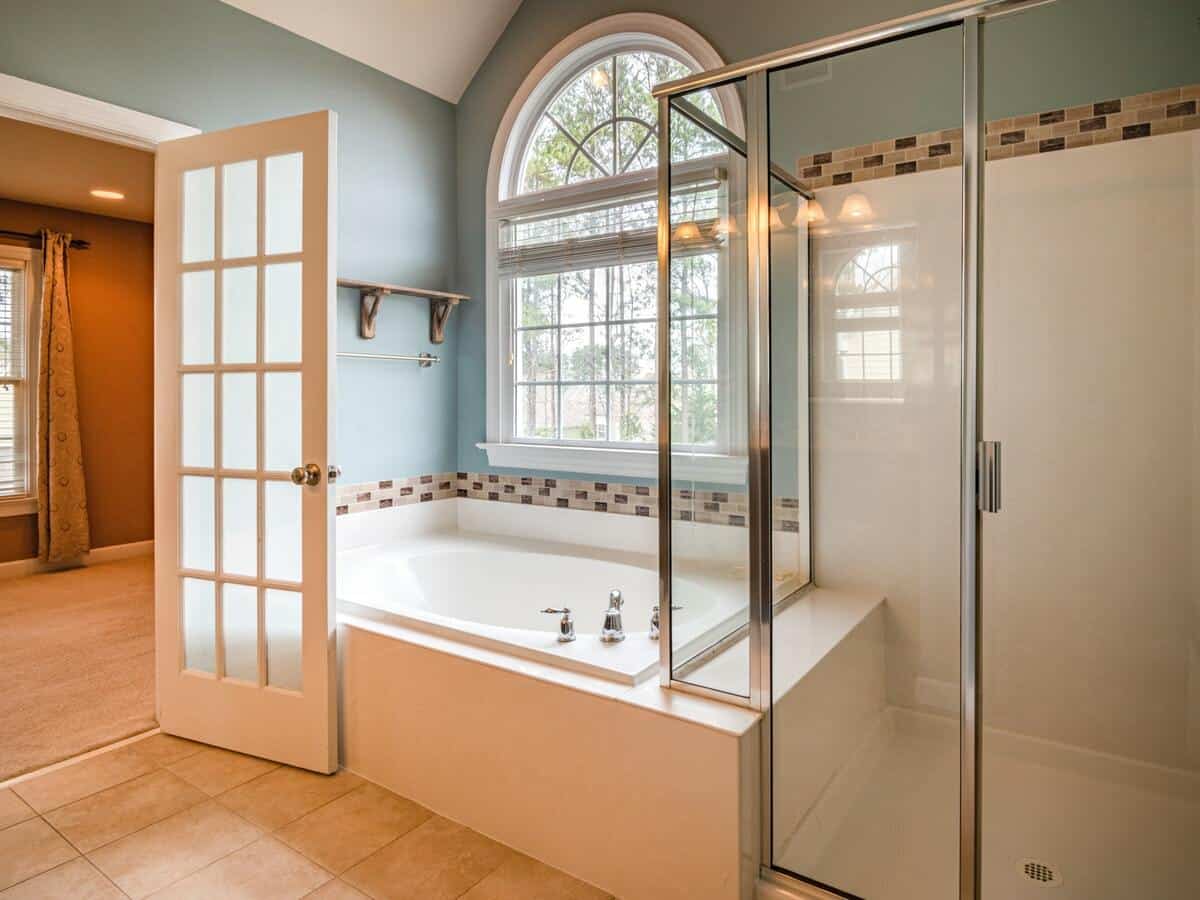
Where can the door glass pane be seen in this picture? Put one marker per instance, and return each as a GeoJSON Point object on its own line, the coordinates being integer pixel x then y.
{"type": "Point", "coordinates": [239, 209]}
{"type": "Point", "coordinates": [199, 625]}
{"type": "Point", "coordinates": [196, 322]}
{"type": "Point", "coordinates": [284, 615]}
{"type": "Point", "coordinates": [865, 666]}
{"type": "Point", "coordinates": [239, 622]}
{"type": "Point", "coordinates": [789, 245]}
{"type": "Point", "coordinates": [282, 416]}
{"type": "Point", "coordinates": [199, 215]}
{"type": "Point", "coordinates": [284, 314]}
{"type": "Point", "coordinates": [197, 523]}
{"type": "Point", "coordinates": [285, 203]}
{"type": "Point", "coordinates": [239, 315]}
{"type": "Point", "coordinates": [196, 420]}
{"type": "Point", "coordinates": [710, 544]}
{"type": "Point", "coordinates": [239, 526]}
{"type": "Point", "coordinates": [282, 531]}
{"type": "Point", "coordinates": [1090, 571]}
{"type": "Point", "coordinates": [239, 420]}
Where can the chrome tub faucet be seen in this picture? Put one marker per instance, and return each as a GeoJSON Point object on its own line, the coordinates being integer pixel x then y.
{"type": "Point", "coordinates": [566, 625]}
{"type": "Point", "coordinates": [613, 631]}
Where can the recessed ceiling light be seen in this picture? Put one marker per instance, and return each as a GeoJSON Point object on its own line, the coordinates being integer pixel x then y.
{"type": "Point", "coordinates": [105, 194]}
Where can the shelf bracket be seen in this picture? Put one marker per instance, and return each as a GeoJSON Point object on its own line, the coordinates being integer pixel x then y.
{"type": "Point", "coordinates": [441, 304]}
{"type": "Point", "coordinates": [367, 313]}
{"type": "Point", "coordinates": [439, 312]}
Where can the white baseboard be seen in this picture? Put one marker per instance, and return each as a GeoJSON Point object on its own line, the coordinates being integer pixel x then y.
{"type": "Point", "coordinates": [19, 568]}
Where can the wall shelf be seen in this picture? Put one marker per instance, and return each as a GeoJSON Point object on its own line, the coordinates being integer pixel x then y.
{"type": "Point", "coordinates": [371, 295]}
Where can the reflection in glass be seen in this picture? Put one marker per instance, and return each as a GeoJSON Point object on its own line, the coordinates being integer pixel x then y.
{"type": "Point", "coordinates": [866, 349]}
{"type": "Point", "coordinates": [709, 540]}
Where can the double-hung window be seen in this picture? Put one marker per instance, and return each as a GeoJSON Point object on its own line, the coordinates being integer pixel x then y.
{"type": "Point", "coordinates": [575, 268]}
{"type": "Point", "coordinates": [17, 403]}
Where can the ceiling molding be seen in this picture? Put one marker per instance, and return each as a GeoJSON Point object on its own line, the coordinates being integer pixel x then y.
{"type": "Point", "coordinates": [40, 104]}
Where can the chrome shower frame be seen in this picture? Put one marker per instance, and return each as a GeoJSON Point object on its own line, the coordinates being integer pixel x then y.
{"type": "Point", "coordinates": [967, 16]}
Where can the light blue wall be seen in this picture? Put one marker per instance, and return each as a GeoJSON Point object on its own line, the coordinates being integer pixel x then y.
{"type": "Point", "coordinates": [207, 64]}
{"type": "Point", "coordinates": [1072, 52]}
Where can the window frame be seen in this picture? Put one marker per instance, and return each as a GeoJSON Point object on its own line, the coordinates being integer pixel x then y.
{"type": "Point", "coordinates": [624, 33]}
{"type": "Point", "coordinates": [28, 261]}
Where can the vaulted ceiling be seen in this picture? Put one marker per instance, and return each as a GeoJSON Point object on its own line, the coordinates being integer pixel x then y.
{"type": "Point", "coordinates": [436, 45]}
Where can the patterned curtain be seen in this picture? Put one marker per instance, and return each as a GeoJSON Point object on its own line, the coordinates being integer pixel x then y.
{"type": "Point", "coordinates": [62, 498]}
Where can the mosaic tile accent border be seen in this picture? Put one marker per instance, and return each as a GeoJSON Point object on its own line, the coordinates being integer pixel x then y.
{"type": "Point", "coordinates": [882, 159]}
{"type": "Point", "coordinates": [713, 507]}
{"type": "Point", "coordinates": [1123, 119]}
{"type": "Point", "coordinates": [1106, 121]}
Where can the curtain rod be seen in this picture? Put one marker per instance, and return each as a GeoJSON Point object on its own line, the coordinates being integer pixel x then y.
{"type": "Point", "coordinates": [32, 238]}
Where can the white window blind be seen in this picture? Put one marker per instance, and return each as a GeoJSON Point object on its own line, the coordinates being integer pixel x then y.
{"type": "Point", "coordinates": [616, 232]}
{"type": "Point", "coordinates": [13, 381]}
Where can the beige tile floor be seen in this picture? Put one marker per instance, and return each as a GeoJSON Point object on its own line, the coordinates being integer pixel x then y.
{"type": "Point", "coordinates": [165, 817]}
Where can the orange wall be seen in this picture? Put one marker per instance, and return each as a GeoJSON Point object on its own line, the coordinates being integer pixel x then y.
{"type": "Point", "coordinates": [112, 312]}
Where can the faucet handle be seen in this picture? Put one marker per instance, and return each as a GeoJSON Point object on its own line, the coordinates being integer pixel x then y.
{"type": "Point", "coordinates": [566, 626]}
{"type": "Point", "coordinates": [615, 599]}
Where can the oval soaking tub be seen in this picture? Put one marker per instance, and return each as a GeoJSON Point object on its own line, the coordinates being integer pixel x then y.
{"type": "Point", "coordinates": [490, 590]}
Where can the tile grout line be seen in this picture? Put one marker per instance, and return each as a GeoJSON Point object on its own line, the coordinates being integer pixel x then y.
{"type": "Point", "coordinates": [260, 831]}
{"type": "Point", "coordinates": [158, 767]}
{"type": "Point", "coordinates": [18, 780]}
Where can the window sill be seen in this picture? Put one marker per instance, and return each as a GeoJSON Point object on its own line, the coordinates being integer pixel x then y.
{"type": "Point", "coordinates": [706, 467]}
{"type": "Point", "coordinates": [18, 506]}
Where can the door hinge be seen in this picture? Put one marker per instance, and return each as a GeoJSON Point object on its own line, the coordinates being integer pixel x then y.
{"type": "Point", "coordinates": [988, 488]}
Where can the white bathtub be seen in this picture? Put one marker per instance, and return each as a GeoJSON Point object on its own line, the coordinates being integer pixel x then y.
{"type": "Point", "coordinates": [489, 589]}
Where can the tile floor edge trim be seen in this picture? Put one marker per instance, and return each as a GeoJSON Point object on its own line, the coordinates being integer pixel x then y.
{"type": "Point", "coordinates": [1105, 121]}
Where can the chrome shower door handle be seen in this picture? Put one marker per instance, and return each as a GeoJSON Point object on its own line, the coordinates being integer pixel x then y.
{"type": "Point", "coordinates": [988, 465]}
{"type": "Point", "coordinates": [309, 474]}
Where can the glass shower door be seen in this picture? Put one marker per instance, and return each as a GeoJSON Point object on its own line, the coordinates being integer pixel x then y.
{"type": "Point", "coordinates": [866, 379]}
{"type": "Point", "coordinates": [705, 348]}
{"type": "Point", "coordinates": [1090, 577]}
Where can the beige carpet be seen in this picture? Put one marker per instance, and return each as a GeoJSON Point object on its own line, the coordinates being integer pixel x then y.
{"type": "Point", "coordinates": [76, 662]}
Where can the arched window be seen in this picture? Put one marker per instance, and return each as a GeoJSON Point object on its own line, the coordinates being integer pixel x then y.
{"type": "Point", "coordinates": [572, 245]}
{"type": "Point", "coordinates": [604, 122]}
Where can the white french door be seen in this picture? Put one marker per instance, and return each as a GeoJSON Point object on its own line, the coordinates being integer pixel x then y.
{"type": "Point", "coordinates": [245, 262]}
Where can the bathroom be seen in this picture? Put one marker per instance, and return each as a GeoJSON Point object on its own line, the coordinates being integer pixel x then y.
{"type": "Point", "coordinates": [884, 587]}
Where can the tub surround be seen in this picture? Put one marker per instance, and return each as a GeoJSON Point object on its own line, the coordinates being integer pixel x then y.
{"type": "Point", "coordinates": [481, 573]}
{"type": "Point", "coordinates": [507, 752]}
{"type": "Point", "coordinates": [500, 728]}
{"type": "Point", "coordinates": [712, 507]}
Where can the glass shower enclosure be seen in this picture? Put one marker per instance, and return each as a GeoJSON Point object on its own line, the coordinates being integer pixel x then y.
{"type": "Point", "coordinates": [870, 283]}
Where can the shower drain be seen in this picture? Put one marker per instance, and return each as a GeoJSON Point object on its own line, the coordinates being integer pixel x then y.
{"type": "Point", "coordinates": [1040, 873]}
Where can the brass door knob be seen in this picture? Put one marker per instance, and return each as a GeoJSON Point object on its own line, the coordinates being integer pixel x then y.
{"type": "Point", "coordinates": [309, 475]}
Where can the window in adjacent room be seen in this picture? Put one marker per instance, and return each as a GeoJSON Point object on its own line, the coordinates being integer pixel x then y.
{"type": "Point", "coordinates": [17, 399]}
